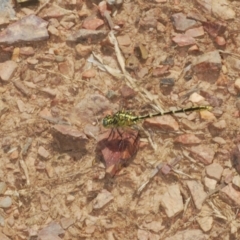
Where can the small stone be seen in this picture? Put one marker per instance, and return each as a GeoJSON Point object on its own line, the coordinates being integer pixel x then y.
{"type": "Point", "coordinates": [7, 70]}
{"type": "Point", "coordinates": [67, 67]}
{"type": "Point", "coordinates": [43, 152]}
{"type": "Point", "coordinates": [182, 23]}
{"type": "Point", "coordinates": [142, 72]}
{"type": "Point", "coordinates": [220, 41]}
{"type": "Point", "coordinates": [193, 48]}
{"type": "Point", "coordinates": [14, 155]}
{"type": "Point", "coordinates": [70, 198]}
{"type": "Point", "coordinates": [237, 84]}
{"type": "Point", "coordinates": [204, 153]}
{"type": "Point", "coordinates": [53, 31]}
{"type": "Point", "coordinates": [27, 51]}
{"type": "Point", "coordinates": [83, 50]}
{"type": "Point", "coordinates": [183, 40]}
{"type": "Point", "coordinates": [221, 9]}
{"type": "Point", "coordinates": [22, 30]}
{"type": "Point", "coordinates": [165, 122]}
{"type": "Point", "coordinates": [124, 40]}
{"type": "Point", "coordinates": [5, 202]}
{"type": "Point", "coordinates": [32, 61]}
{"type": "Point", "coordinates": [90, 73]}
{"type": "Point", "coordinates": [195, 98]}
{"type": "Point", "coordinates": [236, 182]}
{"type": "Point", "coordinates": [66, 222]}
{"type": "Point", "coordinates": [219, 140]}
{"type": "Point", "coordinates": [195, 32]}
{"type": "Point", "coordinates": [160, 71]}
{"type": "Point", "coordinates": [214, 171]}
{"type": "Point", "coordinates": [204, 219]}
{"type": "Point", "coordinates": [160, 27]}
{"type": "Point", "coordinates": [127, 92]}
{"type": "Point", "coordinates": [210, 183]}
{"type": "Point", "coordinates": [102, 199]}
{"type": "Point", "coordinates": [197, 192]}
{"type": "Point", "coordinates": [208, 116]}
{"type": "Point", "coordinates": [148, 22]}
{"type": "Point", "coordinates": [214, 29]}
{"type": "Point", "coordinates": [2, 222]}
{"type": "Point", "coordinates": [92, 23]}
{"type": "Point", "coordinates": [3, 187]}
{"type": "Point", "coordinates": [187, 138]}
{"type": "Point", "coordinates": [172, 201]}
{"type": "Point", "coordinates": [54, 11]}
{"type": "Point", "coordinates": [220, 125]}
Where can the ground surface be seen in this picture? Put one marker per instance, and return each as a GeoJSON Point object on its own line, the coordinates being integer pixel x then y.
{"type": "Point", "coordinates": [181, 180]}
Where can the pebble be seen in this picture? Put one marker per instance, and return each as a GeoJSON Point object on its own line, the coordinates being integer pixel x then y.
{"type": "Point", "coordinates": [183, 40]}
{"type": "Point", "coordinates": [237, 84]}
{"type": "Point", "coordinates": [54, 11]}
{"type": "Point", "coordinates": [90, 73]}
{"type": "Point", "coordinates": [7, 70]}
{"type": "Point", "coordinates": [67, 67]}
{"type": "Point", "coordinates": [14, 155]}
{"type": "Point", "coordinates": [220, 125]}
{"type": "Point", "coordinates": [83, 50]}
{"type": "Point", "coordinates": [124, 40]}
{"type": "Point", "coordinates": [214, 171]}
{"type": "Point", "coordinates": [204, 153]}
{"type": "Point", "coordinates": [236, 182]}
{"type": "Point", "coordinates": [195, 32]}
{"type": "Point", "coordinates": [172, 201]}
{"type": "Point", "coordinates": [21, 31]}
{"type": "Point", "coordinates": [102, 199]}
{"type": "Point", "coordinates": [195, 98]}
{"type": "Point", "coordinates": [3, 187]}
{"type": "Point", "coordinates": [70, 198]}
{"type": "Point", "coordinates": [92, 23]}
{"type": "Point", "coordinates": [66, 222]}
{"type": "Point", "coordinates": [187, 138]}
{"type": "Point", "coordinates": [53, 31]}
{"type": "Point", "coordinates": [27, 51]}
{"type": "Point", "coordinates": [221, 10]}
{"type": "Point", "coordinates": [210, 183]}
{"type": "Point", "coordinates": [197, 192]}
{"type": "Point", "coordinates": [182, 23]}
{"type": "Point", "coordinates": [219, 140]}
{"type": "Point", "coordinates": [208, 116]}
{"type": "Point", "coordinates": [220, 41]}
{"type": "Point", "coordinates": [5, 202]}
{"type": "Point", "coordinates": [205, 219]}
{"type": "Point", "coordinates": [43, 152]}
{"type": "Point", "coordinates": [160, 27]}
{"type": "Point", "coordinates": [2, 222]}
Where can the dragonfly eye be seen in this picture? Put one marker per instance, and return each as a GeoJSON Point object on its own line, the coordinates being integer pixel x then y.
{"type": "Point", "coordinates": [106, 121]}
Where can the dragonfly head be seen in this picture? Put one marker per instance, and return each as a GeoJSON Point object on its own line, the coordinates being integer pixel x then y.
{"type": "Point", "coordinates": [108, 121]}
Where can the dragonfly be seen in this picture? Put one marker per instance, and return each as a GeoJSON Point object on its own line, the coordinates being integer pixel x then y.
{"type": "Point", "coordinates": [119, 145]}
{"type": "Point", "coordinates": [128, 119]}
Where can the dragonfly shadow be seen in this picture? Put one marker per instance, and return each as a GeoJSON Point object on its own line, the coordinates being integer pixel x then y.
{"type": "Point", "coordinates": [117, 147]}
